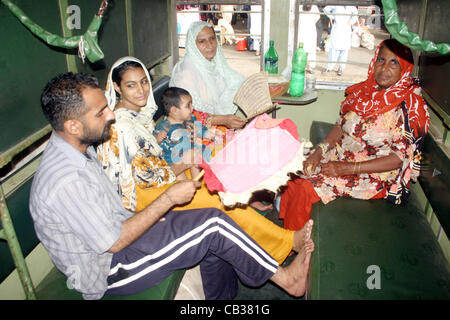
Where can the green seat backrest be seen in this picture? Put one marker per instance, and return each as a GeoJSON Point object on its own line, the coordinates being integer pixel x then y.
{"type": "Point", "coordinates": [319, 131]}
{"type": "Point", "coordinates": [158, 89]}
{"type": "Point", "coordinates": [435, 181]}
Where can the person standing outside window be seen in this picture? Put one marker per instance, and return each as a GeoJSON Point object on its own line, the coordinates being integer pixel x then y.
{"type": "Point", "coordinates": [341, 35]}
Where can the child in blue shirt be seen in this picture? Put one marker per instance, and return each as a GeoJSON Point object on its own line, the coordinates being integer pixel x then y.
{"type": "Point", "coordinates": [180, 131]}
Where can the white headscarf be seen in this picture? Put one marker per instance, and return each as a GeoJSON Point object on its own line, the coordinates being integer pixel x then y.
{"type": "Point", "coordinates": [146, 114]}
{"type": "Point", "coordinates": [134, 134]}
{"type": "Point", "coordinates": [212, 84]}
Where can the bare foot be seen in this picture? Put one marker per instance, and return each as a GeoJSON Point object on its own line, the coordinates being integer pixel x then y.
{"type": "Point", "coordinates": [293, 278]}
{"type": "Point", "coordinates": [302, 235]}
{"type": "Point", "coordinates": [260, 206]}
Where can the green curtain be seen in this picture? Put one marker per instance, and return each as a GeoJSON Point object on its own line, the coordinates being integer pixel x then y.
{"type": "Point", "coordinates": [87, 43]}
{"type": "Point", "coordinates": [400, 31]}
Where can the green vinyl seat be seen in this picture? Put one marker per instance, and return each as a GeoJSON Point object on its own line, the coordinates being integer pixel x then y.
{"type": "Point", "coordinates": [352, 235]}
{"type": "Point", "coordinates": [55, 287]}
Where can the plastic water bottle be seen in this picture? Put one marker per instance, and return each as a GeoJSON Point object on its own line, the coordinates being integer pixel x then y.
{"type": "Point", "coordinates": [297, 84]}
{"type": "Point", "coordinates": [271, 59]}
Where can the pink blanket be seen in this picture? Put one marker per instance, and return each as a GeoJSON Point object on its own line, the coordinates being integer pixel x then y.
{"type": "Point", "coordinates": [262, 148]}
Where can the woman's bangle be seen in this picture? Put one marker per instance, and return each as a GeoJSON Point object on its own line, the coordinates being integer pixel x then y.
{"type": "Point", "coordinates": [359, 168]}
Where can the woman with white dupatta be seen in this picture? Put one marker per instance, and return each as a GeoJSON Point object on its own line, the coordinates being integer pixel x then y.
{"type": "Point", "coordinates": [211, 82]}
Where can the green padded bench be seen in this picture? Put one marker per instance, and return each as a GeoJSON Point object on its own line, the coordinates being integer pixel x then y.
{"type": "Point", "coordinates": [376, 250]}
{"type": "Point", "coordinates": [54, 285]}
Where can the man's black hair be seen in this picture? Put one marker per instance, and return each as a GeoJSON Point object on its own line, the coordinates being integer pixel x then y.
{"type": "Point", "coordinates": [62, 98]}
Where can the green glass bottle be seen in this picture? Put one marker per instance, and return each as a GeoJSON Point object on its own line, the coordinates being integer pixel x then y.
{"type": "Point", "coordinates": [271, 59]}
{"type": "Point", "coordinates": [297, 84]}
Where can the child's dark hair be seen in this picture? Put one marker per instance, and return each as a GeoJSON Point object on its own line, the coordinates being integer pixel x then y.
{"type": "Point", "coordinates": [171, 98]}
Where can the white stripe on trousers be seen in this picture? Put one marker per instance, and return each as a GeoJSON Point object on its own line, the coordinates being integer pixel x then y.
{"type": "Point", "coordinates": [271, 264]}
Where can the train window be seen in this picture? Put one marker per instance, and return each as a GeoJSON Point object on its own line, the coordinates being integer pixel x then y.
{"type": "Point", "coordinates": [238, 28]}
{"type": "Point", "coordinates": [340, 41]}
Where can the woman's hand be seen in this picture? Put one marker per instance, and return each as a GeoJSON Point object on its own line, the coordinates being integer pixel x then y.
{"type": "Point", "coordinates": [312, 162]}
{"type": "Point", "coordinates": [338, 168]}
{"type": "Point", "coordinates": [230, 121]}
{"type": "Point", "coordinates": [331, 169]}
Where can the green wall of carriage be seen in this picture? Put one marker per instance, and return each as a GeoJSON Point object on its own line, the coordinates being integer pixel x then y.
{"type": "Point", "coordinates": [27, 62]}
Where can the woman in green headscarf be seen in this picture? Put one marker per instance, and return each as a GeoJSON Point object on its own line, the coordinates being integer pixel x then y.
{"type": "Point", "coordinates": [205, 73]}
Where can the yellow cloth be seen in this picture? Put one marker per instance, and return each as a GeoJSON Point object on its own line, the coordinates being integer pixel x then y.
{"type": "Point", "coordinates": [275, 240]}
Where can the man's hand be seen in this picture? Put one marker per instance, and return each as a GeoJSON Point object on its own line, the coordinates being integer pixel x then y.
{"type": "Point", "coordinates": [182, 191]}
{"type": "Point", "coordinates": [132, 228]}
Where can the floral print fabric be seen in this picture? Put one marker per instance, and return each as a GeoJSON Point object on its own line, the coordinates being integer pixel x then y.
{"type": "Point", "coordinates": [131, 156]}
{"type": "Point", "coordinates": [366, 138]}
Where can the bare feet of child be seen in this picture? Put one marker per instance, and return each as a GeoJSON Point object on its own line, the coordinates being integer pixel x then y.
{"type": "Point", "coordinates": [261, 206]}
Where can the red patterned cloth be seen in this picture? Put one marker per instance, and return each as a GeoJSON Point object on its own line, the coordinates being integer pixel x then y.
{"type": "Point", "coordinates": [364, 99]}
{"type": "Point", "coordinates": [374, 124]}
{"type": "Point", "coordinates": [222, 133]}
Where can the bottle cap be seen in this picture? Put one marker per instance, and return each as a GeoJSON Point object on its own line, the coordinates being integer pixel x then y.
{"type": "Point", "coordinates": [271, 42]}
{"type": "Point", "coordinates": [300, 44]}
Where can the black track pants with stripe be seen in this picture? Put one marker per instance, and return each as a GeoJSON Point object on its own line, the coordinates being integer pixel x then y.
{"type": "Point", "coordinates": [186, 238]}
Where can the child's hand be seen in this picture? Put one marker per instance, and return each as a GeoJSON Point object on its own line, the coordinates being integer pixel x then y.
{"type": "Point", "coordinates": [161, 136]}
{"type": "Point", "coordinates": [190, 129]}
